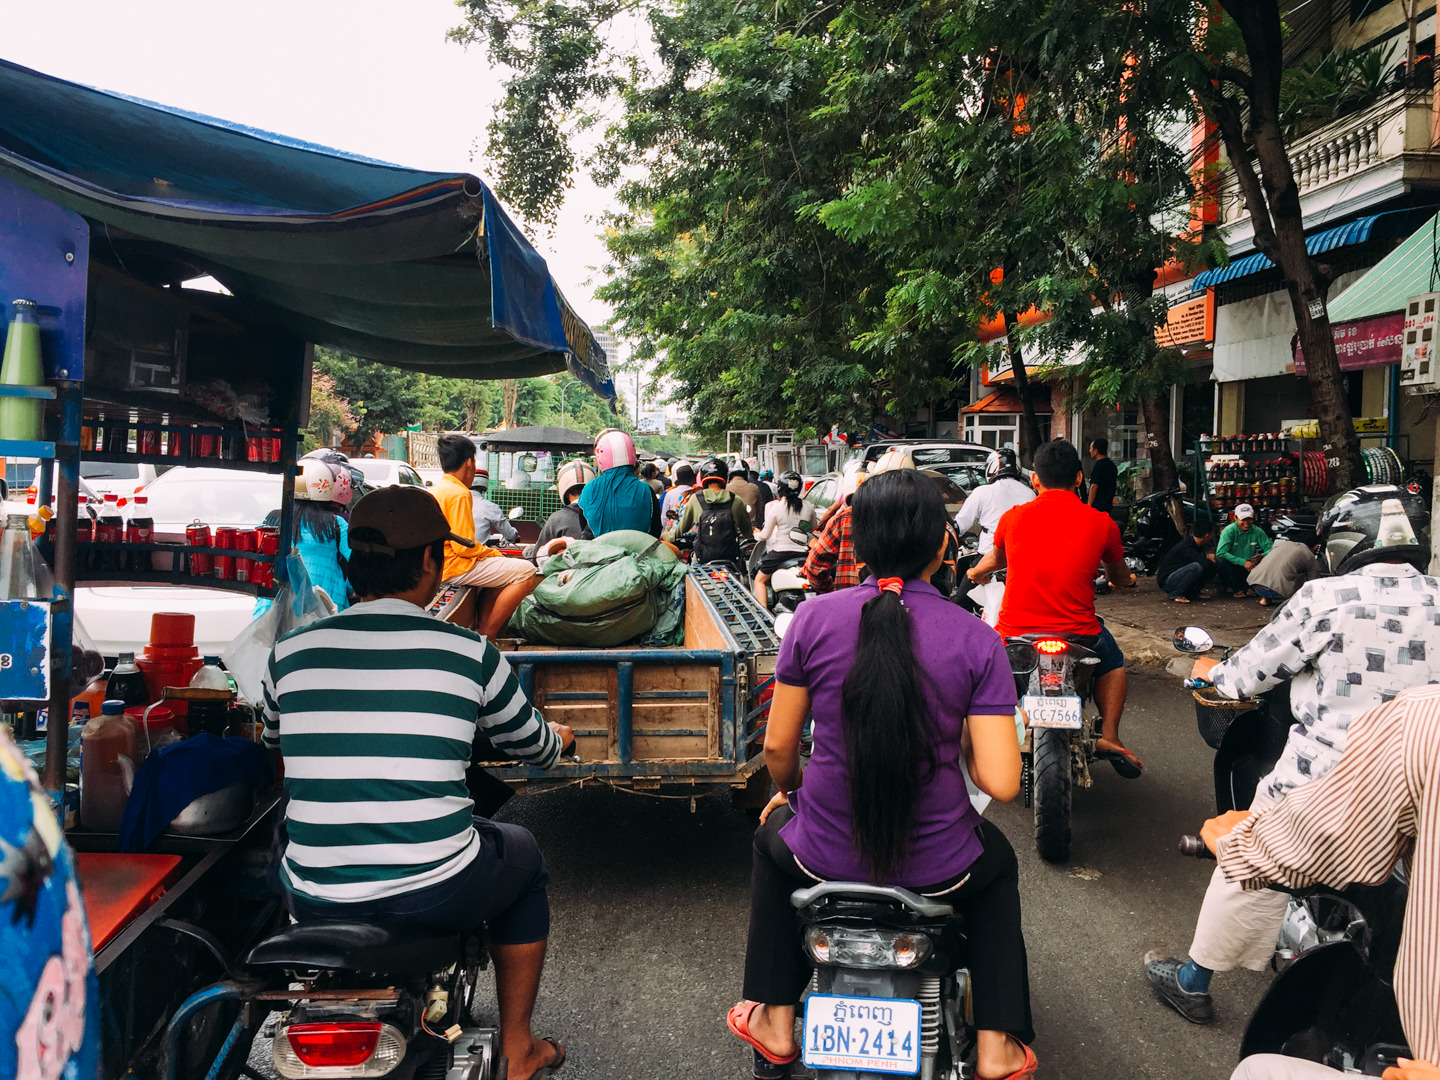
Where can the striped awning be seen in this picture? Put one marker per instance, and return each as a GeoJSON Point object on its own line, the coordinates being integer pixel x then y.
{"type": "Point", "coordinates": [1407, 271]}
{"type": "Point", "coordinates": [1390, 224]}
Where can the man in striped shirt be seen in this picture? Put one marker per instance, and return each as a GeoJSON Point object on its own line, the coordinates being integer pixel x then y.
{"type": "Point", "coordinates": [376, 711]}
{"type": "Point", "coordinates": [1377, 805]}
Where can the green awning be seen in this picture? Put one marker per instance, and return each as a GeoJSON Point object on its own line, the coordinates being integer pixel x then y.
{"type": "Point", "coordinates": [1404, 273]}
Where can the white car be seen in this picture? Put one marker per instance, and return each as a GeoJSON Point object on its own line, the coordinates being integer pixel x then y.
{"type": "Point", "coordinates": [124, 479]}
{"type": "Point", "coordinates": [117, 617]}
{"type": "Point", "coordinates": [382, 472]}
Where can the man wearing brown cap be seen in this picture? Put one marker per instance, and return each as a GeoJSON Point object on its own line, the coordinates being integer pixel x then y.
{"type": "Point", "coordinates": [376, 711]}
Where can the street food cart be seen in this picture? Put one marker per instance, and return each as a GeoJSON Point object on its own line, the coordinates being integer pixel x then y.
{"type": "Point", "coordinates": [110, 209]}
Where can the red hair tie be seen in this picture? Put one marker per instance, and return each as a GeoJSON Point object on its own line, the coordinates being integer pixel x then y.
{"type": "Point", "coordinates": [892, 584]}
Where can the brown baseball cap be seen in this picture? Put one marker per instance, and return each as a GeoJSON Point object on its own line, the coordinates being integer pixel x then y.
{"type": "Point", "coordinates": [408, 517]}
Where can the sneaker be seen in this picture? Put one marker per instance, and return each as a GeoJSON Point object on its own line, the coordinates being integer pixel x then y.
{"type": "Point", "coordinates": [1164, 976]}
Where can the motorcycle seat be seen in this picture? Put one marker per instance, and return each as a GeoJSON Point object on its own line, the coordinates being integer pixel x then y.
{"type": "Point", "coordinates": [358, 946]}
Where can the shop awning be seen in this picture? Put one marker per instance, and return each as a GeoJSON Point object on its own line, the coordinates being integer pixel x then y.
{"type": "Point", "coordinates": [557, 439]}
{"type": "Point", "coordinates": [1004, 401]}
{"type": "Point", "coordinates": [417, 269]}
{"type": "Point", "coordinates": [1388, 225]}
{"type": "Point", "coordinates": [1407, 271]}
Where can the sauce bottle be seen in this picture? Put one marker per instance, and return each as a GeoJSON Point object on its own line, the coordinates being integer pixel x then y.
{"type": "Point", "coordinates": [127, 684]}
{"type": "Point", "coordinates": [103, 788]}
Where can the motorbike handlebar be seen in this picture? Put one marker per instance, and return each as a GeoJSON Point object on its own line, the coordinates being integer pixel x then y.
{"type": "Point", "coordinates": [1194, 848]}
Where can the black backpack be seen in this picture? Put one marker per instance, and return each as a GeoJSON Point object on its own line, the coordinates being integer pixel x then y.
{"type": "Point", "coordinates": [716, 539]}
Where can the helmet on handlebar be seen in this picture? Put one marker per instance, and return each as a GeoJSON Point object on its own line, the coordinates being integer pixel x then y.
{"type": "Point", "coordinates": [1002, 463]}
{"type": "Point", "coordinates": [1376, 523]}
{"type": "Point", "coordinates": [712, 468]}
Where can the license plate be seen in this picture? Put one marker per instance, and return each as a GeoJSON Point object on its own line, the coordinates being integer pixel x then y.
{"type": "Point", "coordinates": [862, 1034]}
{"type": "Point", "coordinates": [1052, 712]}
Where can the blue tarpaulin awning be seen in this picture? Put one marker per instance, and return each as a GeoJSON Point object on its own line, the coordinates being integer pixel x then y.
{"type": "Point", "coordinates": [1391, 224]}
{"type": "Point", "coordinates": [418, 269]}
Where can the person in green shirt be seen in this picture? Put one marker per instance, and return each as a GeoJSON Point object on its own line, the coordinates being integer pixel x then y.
{"type": "Point", "coordinates": [1240, 549]}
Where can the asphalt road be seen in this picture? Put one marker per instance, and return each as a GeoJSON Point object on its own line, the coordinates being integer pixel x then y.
{"type": "Point", "coordinates": [649, 904]}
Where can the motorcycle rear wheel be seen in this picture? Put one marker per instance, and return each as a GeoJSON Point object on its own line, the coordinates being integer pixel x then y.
{"type": "Point", "coordinates": [1051, 766]}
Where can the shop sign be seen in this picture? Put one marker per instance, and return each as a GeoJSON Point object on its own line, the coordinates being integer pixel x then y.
{"type": "Point", "coordinates": [1189, 323]}
{"type": "Point", "coordinates": [1362, 343]}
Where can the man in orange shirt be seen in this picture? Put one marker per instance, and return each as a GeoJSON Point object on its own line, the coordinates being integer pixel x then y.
{"type": "Point", "coordinates": [503, 582]}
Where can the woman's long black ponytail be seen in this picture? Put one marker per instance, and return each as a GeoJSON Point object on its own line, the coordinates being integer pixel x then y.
{"type": "Point", "coordinates": [898, 522]}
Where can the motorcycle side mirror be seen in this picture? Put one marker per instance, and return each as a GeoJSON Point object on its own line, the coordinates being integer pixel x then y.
{"type": "Point", "coordinates": [516, 513]}
{"type": "Point", "coordinates": [1023, 657]}
{"type": "Point", "coordinates": [1192, 639]}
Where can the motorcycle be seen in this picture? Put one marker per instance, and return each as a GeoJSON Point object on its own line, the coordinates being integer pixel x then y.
{"type": "Point", "coordinates": [1148, 529]}
{"type": "Point", "coordinates": [1334, 1002]}
{"type": "Point", "coordinates": [1060, 731]}
{"type": "Point", "coordinates": [787, 587]}
{"type": "Point", "coordinates": [359, 999]}
{"type": "Point", "coordinates": [891, 993]}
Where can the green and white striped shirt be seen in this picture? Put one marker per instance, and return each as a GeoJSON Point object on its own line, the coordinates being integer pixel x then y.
{"type": "Point", "coordinates": [375, 711]}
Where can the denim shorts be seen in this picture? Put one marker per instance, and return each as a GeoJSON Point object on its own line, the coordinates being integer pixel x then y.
{"type": "Point", "coordinates": [1111, 658]}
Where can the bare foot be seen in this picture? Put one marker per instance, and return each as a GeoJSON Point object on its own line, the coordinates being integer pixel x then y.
{"type": "Point", "coordinates": [543, 1052]}
{"type": "Point", "coordinates": [775, 1033]}
{"type": "Point", "coordinates": [1182, 599]}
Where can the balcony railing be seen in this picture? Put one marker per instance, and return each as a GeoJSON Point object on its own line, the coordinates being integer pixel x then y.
{"type": "Point", "coordinates": [1332, 163]}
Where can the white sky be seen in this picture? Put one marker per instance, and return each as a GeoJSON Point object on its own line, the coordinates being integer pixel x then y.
{"type": "Point", "coordinates": [373, 77]}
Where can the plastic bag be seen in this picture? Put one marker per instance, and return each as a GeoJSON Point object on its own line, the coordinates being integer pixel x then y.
{"type": "Point", "coordinates": [297, 604]}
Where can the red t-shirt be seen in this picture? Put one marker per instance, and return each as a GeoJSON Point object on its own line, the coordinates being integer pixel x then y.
{"type": "Point", "coordinates": [1053, 549]}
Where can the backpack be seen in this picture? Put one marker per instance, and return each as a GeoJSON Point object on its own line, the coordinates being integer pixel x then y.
{"type": "Point", "coordinates": [716, 539]}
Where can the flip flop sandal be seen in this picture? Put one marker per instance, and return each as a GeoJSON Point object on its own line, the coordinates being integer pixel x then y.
{"type": "Point", "coordinates": [738, 1021]}
{"type": "Point", "coordinates": [545, 1072]}
{"type": "Point", "coordinates": [1122, 763]}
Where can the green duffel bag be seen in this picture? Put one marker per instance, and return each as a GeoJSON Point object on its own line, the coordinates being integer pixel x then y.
{"type": "Point", "coordinates": [600, 594]}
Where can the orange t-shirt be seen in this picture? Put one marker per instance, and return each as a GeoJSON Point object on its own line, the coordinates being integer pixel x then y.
{"type": "Point", "coordinates": [458, 506]}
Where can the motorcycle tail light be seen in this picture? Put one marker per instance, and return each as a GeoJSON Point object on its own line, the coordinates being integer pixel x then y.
{"type": "Point", "coordinates": [330, 1051]}
{"type": "Point", "coordinates": [863, 947]}
{"type": "Point", "coordinates": [1051, 646]}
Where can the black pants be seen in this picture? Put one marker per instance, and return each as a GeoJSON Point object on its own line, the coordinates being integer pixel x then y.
{"type": "Point", "coordinates": [777, 969]}
{"type": "Point", "coordinates": [1232, 575]}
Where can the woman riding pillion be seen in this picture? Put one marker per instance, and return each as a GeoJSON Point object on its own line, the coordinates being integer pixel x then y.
{"type": "Point", "coordinates": [903, 685]}
{"type": "Point", "coordinates": [784, 515]}
{"type": "Point", "coordinates": [319, 533]}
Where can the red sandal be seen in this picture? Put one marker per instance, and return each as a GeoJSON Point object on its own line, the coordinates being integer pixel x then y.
{"type": "Point", "coordinates": [738, 1021]}
{"type": "Point", "coordinates": [1028, 1069]}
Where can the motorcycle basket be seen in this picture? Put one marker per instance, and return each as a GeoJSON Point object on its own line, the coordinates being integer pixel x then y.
{"type": "Point", "coordinates": [1214, 713]}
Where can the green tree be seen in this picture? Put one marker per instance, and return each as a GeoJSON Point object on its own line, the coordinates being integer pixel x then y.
{"type": "Point", "coordinates": [383, 399]}
{"type": "Point", "coordinates": [330, 413]}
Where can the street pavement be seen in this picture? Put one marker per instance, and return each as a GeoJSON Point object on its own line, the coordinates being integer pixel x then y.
{"type": "Point", "coordinates": [650, 901]}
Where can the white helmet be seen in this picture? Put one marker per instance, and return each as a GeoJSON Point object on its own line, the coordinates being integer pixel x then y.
{"type": "Point", "coordinates": [573, 476]}
{"type": "Point", "coordinates": [614, 448]}
{"type": "Point", "coordinates": [314, 482]}
{"type": "Point", "coordinates": [897, 457]}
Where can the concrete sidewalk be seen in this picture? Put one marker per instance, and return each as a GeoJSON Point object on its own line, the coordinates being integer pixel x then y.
{"type": "Point", "coordinates": [1143, 620]}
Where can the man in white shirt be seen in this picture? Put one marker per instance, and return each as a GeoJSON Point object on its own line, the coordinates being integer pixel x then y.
{"type": "Point", "coordinates": [984, 507]}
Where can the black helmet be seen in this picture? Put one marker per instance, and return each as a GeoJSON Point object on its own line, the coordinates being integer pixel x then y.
{"type": "Point", "coordinates": [789, 482]}
{"type": "Point", "coordinates": [1376, 523]}
{"type": "Point", "coordinates": [1002, 463]}
{"type": "Point", "coordinates": [712, 468]}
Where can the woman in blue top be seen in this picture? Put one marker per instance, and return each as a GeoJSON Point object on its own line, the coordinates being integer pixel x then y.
{"type": "Point", "coordinates": [905, 688]}
{"type": "Point", "coordinates": [318, 531]}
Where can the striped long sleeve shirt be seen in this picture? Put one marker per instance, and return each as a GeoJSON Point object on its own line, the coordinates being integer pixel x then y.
{"type": "Point", "coordinates": [1378, 804]}
{"type": "Point", "coordinates": [375, 711]}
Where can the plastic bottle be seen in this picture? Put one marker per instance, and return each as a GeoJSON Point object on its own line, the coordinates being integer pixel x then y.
{"type": "Point", "coordinates": [103, 789]}
{"type": "Point", "coordinates": [154, 728]}
{"type": "Point", "coordinates": [22, 418]}
{"type": "Point", "coordinates": [126, 684]}
{"type": "Point", "coordinates": [211, 676]}
{"type": "Point", "coordinates": [83, 706]}
{"type": "Point", "coordinates": [140, 529]}
{"type": "Point", "coordinates": [19, 560]}
{"type": "Point", "coordinates": [109, 529]}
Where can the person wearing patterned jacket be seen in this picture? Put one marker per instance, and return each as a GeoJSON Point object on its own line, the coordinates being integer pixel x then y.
{"type": "Point", "coordinates": [377, 711]}
{"type": "Point", "coordinates": [1345, 644]}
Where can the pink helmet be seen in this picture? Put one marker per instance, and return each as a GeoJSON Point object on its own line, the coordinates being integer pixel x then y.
{"type": "Point", "coordinates": [344, 489]}
{"type": "Point", "coordinates": [614, 448]}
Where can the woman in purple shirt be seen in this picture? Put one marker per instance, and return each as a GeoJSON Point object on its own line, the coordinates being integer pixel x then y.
{"type": "Point", "coordinates": [903, 686]}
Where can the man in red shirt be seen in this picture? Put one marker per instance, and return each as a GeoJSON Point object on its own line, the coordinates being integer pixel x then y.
{"type": "Point", "coordinates": [1053, 547]}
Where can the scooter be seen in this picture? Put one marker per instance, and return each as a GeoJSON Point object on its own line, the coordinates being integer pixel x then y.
{"type": "Point", "coordinates": [1148, 530]}
{"type": "Point", "coordinates": [1334, 1003]}
{"type": "Point", "coordinates": [359, 999]}
{"type": "Point", "coordinates": [787, 587]}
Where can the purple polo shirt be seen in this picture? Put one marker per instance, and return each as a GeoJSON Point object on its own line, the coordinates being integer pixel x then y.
{"type": "Point", "coordinates": [964, 672]}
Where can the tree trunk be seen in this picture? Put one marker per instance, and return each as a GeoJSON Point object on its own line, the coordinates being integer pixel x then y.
{"type": "Point", "coordinates": [1030, 427]}
{"type": "Point", "coordinates": [510, 389]}
{"type": "Point", "coordinates": [1280, 229]}
{"type": "Point", "coordinates": [1164, 476]}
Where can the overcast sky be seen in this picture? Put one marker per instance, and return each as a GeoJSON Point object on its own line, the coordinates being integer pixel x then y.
{"type": "Point", "coordinates": [373, 77]}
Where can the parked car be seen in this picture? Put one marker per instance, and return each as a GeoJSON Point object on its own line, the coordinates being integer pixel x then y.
{"type": "Point", "coordinates": [383, 472]}
{"type": "Point", "coordinates": [123, 478]}
{"type": "Point", "coordinates": [117, 617]}
{"type": "Point", "coordinates": [926, 453]}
